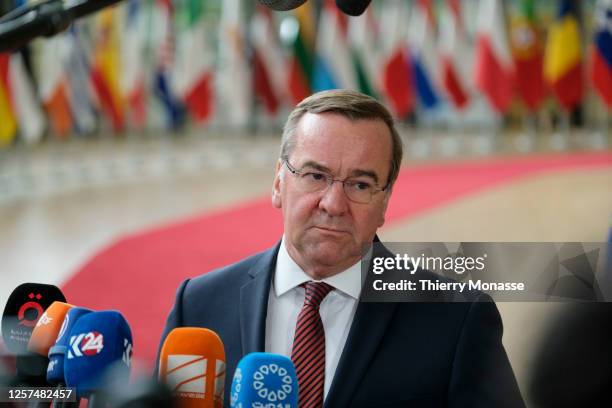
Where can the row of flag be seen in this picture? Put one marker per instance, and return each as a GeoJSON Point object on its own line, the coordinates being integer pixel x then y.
{"type": "Point", "coordinates": [167, 62]}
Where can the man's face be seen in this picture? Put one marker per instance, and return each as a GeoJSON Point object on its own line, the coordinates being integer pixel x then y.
{"type": "Point", "coordinates": [324, 230]}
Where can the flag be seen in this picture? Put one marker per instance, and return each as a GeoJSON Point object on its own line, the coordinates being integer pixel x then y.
{"type": "Point", "coordinates": [134, 75]}
{"type": "Point", "coordinates": [493, 69]}
{"type": "Point", "coordinates": [563, 57]}
{"type": "Point", "coordinates": [164, 44]}
{"type": "Point", "coordinates": [333, 62]}
{"type": "Point", "coordinates": [364, 40]}
{"type": "Point", "coordinates": [301, 62]}
{"type": "Point", "coordinates": [53, 84]}
{"type": "Point", "coordinates": [397, 85]}
{"type": "Point", "coordinates": [194, 60]}
{"type": "Point", "coordinates": [527, 49]}
{"type": "Point", "coordinates": [423, 52]}
{"type": "Point", "coordinates": [27, 108]}
{"type": "Point", "coordinates": [234, 74]}
{"type": "Point", "coordinates": [8, 122]}
{"type": "Point", "coordinates": [80, 89]}
{"type": "Point", "coordinates": [601, 52]}
{"type": "Point", "coordinates": [105, 71]}
{"type": "Point", "coordinates": [453, 54]}
{"type": "Point", "coordinates": [269, 65]}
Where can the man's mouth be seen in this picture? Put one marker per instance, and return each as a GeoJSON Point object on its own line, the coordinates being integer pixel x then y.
{"type": "Point", "coordinates": [331, 230]}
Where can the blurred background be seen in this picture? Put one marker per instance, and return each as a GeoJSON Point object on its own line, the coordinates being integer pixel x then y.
{"type": "Point", "coordinates": [138, 147]}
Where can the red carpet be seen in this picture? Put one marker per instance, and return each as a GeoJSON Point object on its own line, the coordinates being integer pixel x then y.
{"type": "Point", "coordinates": [139, 274]}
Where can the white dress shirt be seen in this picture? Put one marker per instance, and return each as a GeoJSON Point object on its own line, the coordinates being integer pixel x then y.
{"type": "Point", "coordinates": [287, 298]}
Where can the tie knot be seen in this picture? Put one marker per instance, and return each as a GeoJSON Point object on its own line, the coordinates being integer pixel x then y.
{"type": "Point", "coordinates": [316, 292]}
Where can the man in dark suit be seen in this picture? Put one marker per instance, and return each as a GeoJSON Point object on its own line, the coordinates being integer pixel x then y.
{"type": "Point", "coordinates": [340, 156]}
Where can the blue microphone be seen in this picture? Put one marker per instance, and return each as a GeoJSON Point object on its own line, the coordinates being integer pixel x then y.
{"type": "Point", "coordinates": [55, 370]}
{"type": "Point", "coordinates": [97, 341]}
{"type": "Point", "coordinates": [264, 379]}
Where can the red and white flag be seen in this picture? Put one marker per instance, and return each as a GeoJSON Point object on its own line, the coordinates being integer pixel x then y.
{"type": "Point", "coordinates": [194, 61]}
{"type": "Point", "coordinates": [269, 64]}
{"type": "Point", "coordinates": [454, 54]}
{"type": "Point", "coordinates": [493, 69]}
{"type": "Point", "coordinates": [397, 83]}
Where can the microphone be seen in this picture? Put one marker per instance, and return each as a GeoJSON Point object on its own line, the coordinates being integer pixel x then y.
{"type": "Point", "coordinates": [192, 363]}
{"type": "Point", "coordinates": [43, 18]}
{"type": "Point", "coordinates": [282, 5]}
{"type": "Point", "coordinates": [47, 329]}
{"type": "Point", "coordinates": [55, 369]}
{"type": "Point", "coordinates": [98, 341]}
{"type": "Point", "coordinates": [24, 307]}
{"type": "Point", "coordinates": [353, 7]}
{"type": "Point", "coordinates": [264, 379]}
{"type": "Point", "coordinates": [32, 367]}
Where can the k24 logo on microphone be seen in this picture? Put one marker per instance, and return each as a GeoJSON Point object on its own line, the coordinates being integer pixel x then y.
{"type": "Point", "coordinates": [86, 344]}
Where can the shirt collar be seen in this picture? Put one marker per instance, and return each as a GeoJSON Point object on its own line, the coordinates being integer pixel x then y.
{"type": "Point", "coordinates": [289, 275]}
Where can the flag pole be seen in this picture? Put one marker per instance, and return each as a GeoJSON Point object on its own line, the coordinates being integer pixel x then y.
{"type": "Point", "coordinates": [526, 139]}
{"type": "Point", "coordinates": [560, 138]}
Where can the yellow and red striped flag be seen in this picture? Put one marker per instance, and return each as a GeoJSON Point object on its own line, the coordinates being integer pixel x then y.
{"type": "Point", "coordinates": [8, 123]}
{"type": "Point", "coordinates": [563, 57]}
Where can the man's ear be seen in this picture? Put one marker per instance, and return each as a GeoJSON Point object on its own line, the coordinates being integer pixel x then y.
{"type": "Point", "coordinates": [277, 185]}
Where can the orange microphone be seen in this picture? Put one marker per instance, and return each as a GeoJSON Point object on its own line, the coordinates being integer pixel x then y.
{"type": "Point", "coordinates": [192, 363]}
{"type": "Point", "coordinates": [48, 328]}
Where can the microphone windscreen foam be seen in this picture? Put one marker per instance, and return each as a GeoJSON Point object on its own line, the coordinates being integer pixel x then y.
{"type": "Point", "coordinates": [282, 5]}
{"type": "Point", "coordinates": [192, 364]}
{"type": "Point", "coordinates": [98, 341]}
{"type": "Point", "coordinates": [24, 307]}
{"type": "Point", "coordinates": [264, 379]}
{"type": "Point", "coordinates": [48, 327]}
{"type": "Point", "coordinates": [55, 369]}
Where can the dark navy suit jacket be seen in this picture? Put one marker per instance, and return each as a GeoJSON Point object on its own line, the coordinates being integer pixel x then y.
{"type": "Point", "coordinates": [413, 354]}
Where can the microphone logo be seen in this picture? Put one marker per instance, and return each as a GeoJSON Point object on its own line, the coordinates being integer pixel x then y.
{"type": "Point", "coordinates": [29, 312]}
{"type": "Point", "coordinates": [86, 344]}
{"type": "Point", "coordinates": [272, 369]}
{"type": "Point", "coordinates": [186, 375]}
{"type": "Point", "coordinates": [44, 320]}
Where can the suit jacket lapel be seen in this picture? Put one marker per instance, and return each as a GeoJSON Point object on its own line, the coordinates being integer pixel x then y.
{"type": "Point", "coordinates": [254, 302]}
{"type": "Point", "coordinates": [367, 330]}
{"type": "Point", "coordinates": [369, 326]}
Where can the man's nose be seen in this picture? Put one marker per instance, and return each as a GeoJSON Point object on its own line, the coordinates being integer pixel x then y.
{"type": "Point", "coordinates": [334, 200]}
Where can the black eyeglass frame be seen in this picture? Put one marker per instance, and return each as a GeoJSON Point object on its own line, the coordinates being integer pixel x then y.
{"type": "Point", "coordinates": [331, 180]}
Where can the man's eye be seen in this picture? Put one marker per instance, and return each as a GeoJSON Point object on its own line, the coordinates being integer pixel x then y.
{"type": "Point", "coordinates": [315, 176]}
{"type": "Point", "coordinates": [361, 185]}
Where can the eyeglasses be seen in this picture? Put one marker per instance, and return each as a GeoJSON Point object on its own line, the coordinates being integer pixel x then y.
{"type": "Point", "coordinates": [357, 190]}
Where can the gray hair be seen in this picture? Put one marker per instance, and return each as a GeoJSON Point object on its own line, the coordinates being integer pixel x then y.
{"type": "Point", "coordinates": [352, 105]}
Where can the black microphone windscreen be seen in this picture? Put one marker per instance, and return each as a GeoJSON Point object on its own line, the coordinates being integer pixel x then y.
{"type": "Point", "coordinates": [24, 307]}
{"type": "Point", "coordinates": [353, 7]}
{"type": "Point", "coordinates": [282, 5]}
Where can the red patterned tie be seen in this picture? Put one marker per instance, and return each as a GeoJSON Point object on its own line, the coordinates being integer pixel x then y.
{"type": "Point", "coordinates": [308, 352]}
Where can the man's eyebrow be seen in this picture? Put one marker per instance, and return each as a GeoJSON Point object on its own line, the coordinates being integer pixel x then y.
{"type": "Point", "coordinates": [314, 165]}
{"type": "Point", "coordinates": [365, 173]}
{"type": "Point", "coordinates": [354, 173]}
